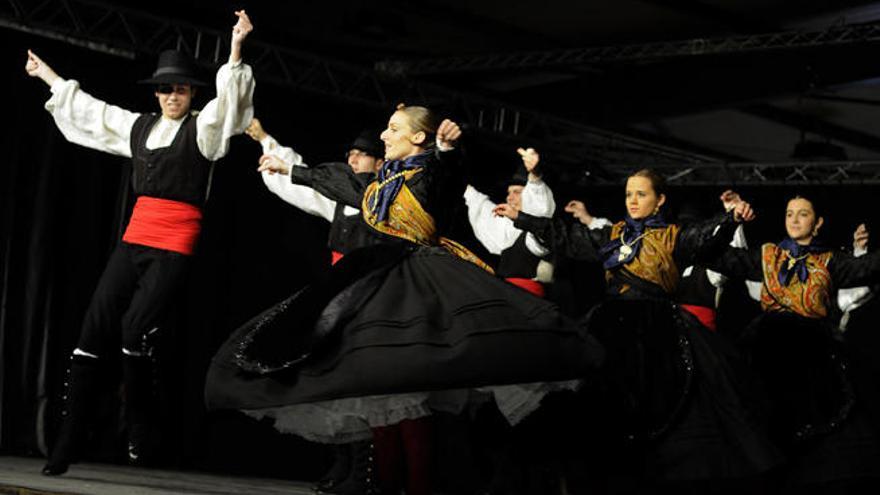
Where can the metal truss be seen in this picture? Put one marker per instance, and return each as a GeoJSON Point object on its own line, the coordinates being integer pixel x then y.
{"type": "Point", "coordinates": [840, 35]}
{"type": "Point", "coordinates": [825, 173]}
{"type": "Point", "coordinates": [124, 32]}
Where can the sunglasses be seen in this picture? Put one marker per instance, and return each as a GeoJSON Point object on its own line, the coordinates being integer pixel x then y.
{"type": "Point", "coordinates": [167, 89]}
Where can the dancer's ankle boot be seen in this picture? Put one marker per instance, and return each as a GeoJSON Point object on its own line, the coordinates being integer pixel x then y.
{"type": "Point", "coordinates": [80, 383]}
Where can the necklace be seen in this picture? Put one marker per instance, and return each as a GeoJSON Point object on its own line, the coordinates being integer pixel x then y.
{"type": "Point", "coordinates": [373, 197]}
{"type": "Point", "coordinates": [626, 247]}
{"type": "Point", "coordinates": [793, 261]}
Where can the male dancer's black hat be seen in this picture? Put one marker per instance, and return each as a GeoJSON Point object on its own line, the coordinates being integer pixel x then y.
{"type": "Point", "coordinates": [368, 141]}
{"type": "Point", "coordinates": [175, 67]}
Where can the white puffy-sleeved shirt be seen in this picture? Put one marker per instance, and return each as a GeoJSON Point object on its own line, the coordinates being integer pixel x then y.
{"type": "Point", "coordinates": [498, 233]}
{"type": "Point", "coordinates": [303, 197]}
{"type": "Point", "coordinates": [90, 122]}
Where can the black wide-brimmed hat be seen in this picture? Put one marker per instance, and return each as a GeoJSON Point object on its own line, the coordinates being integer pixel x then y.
{"type": "Point", "coordinates": [520, 176]}
{"type": "Point", "coordinates": [175, 67]}
{"type": "Point", "coordinates": [368, 141]}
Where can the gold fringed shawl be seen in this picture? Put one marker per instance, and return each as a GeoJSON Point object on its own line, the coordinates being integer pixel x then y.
{"type": "Point", "coordinates": [408, 220]}
{"type": "Point", "coordinates": [654, 262]}
{"type": "Point", "coordinates": [809, 298]}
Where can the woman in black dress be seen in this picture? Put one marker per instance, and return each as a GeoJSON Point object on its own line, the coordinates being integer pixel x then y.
{"type": "Point", "coordinates": [413, 314]}
{"type": "Point", "coordinates": [675, 403]}
{"type": "Point", "coordinates": [822, 407]}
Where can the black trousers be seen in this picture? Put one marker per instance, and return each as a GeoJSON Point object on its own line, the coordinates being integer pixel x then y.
{"type": "Point", "coordinates": [131, 300]}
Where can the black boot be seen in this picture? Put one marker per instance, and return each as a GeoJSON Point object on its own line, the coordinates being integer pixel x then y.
{"type": "Point", "coordinates": [140, 400]}
{"type": "Point", "coordinates": [339, 471]}
{"type": "Point", "coordinates": [361, 476]}
{"type": "Point", "coordinates": [80, 383]}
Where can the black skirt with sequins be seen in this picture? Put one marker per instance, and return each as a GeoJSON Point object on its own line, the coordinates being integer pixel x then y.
{"type": "Point", "coordinates": [397, 319]}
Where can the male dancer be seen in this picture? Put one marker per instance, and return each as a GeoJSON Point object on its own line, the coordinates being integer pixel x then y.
{"type": "Point", "coordinates": [172, 161]}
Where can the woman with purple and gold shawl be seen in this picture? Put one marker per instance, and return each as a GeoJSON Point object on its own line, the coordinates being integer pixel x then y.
{"type": "Point", "coordinates": [399, 321]}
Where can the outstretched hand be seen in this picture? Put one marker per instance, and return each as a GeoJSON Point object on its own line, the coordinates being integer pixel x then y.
{"type": "Point", "coordinates": [240, 31]}
{"type": "Point", "coordinates": [273, 165]}
{"type": "Point", "coordinates": [579, 210]}
{"type": "Point", "coordinates": [505, 210]}
{"type": "Point", "coordinates": [448, 134]}
{"type": "Point", "coordinates": [35, 67]}
{"type": "Point", "coordinates": [743, 212]}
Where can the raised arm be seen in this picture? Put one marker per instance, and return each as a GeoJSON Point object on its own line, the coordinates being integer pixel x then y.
{"type": "Point", "coordinates": [231, 111]}
{"type": "Point", "coordinates": [851, 298]}
{"type": "Point", "coordinates": [859, 268]}
{"type": "Point", "coordinates": [335, 181]}
{"type": "Point", "coordinates": [82, 118]}
{"type": "Point", "coordinates": [704, 241]}
{"type": "Point", "coordinates": [275, 167]}
{"type": "Point", "coordinates": [574, 240]}
{"type": "Point", "coordinates": [271, 146]}
{"type": "Point", "coordinates": [494, 232]}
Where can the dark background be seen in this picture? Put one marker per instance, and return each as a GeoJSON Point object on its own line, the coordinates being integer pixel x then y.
{"type": "Point", "coordinates": [63, 207]}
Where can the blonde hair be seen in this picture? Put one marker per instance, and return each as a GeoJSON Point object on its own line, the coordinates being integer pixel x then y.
{"type": "Point", "coordinates": [421, 119]}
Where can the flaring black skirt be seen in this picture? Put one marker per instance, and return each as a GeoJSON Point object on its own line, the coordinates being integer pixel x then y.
{"type": "Point", "coordinates": [678, 394]}
{"type": "Point", "coordinates": [393, 320]}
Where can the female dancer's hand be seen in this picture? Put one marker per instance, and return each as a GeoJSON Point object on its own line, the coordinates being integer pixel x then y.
{"type": "Point", "coordinates": [505, 210]}
{"type": "Point", "coordinates": [530, 159]}
{"type": "Point", "coordinates": [743, 212]}
{"type": "Point", "coordinates": [579, 210]}
{"type": "Point", "coordinates": [35, 67]}
{"type": "Point", "coordinates": [273, 165]}
{"type": "Point", "coordinates": [447, 134]}
{"type": "Point", "coordinates": [860, 237]}
{"type": "Point", "coordinates": [240, 31]}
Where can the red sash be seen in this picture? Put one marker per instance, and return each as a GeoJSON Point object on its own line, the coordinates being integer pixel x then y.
{"type": "Point", "coordinates": [335, 256]}
{"type": "Point", "coordinates": [704, 314]}
{"type": "Point", "coordinates": [164, 224]}
{"type": "Point", "coordinates": [533, 286]}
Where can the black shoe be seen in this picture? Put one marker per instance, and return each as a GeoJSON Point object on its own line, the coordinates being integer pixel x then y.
{"type": "Point", "coordinates": [339, 471]}
{"type": "Point", "coordinates": [80, 383]}
{"type": "Point", "coordinates": [360, 479]}
{"type": "Point", "coordinates": [55, 469]}
{"type": "Point", "coordinates": [139, 407]}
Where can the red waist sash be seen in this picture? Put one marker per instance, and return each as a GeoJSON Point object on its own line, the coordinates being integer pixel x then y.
{"type": "Point", "coordinates": [533, 286]}
{"type": "Point", "coordinates": [335, 256]}
{"type": "Point", "coordinates": [164, 224]}
{"type": "Point", "coordinates": [704, 314]}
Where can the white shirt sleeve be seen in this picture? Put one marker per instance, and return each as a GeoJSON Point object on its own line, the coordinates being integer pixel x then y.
{"type": "Point", "coordinates": [599, 223]}
{"type": "Point", "coordinates": [494, 232]}
{"type": "Point", "coordinates": [537, 199]}
{"type": "Point", "coordinates": [88, 121]}
{"type": "Point", "coordinates": [285, 153]}
{"type": "Point", "coordinates": [229, 113]}
{"type": "Point", "coordinates": [303, 197]}
{"type": "Point", "coordinates": [853, 297]}
{"type": "Point", "coordinates": [739, 238]}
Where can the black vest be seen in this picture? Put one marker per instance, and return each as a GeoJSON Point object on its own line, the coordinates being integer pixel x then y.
{"type": "Point", "coordinates": [347, 233]}
{"type": "Point", "coordinates": [517, 261]}
{"type": "Point", "coordinates": [696, 289]}
{"type": "Point", "coordinates": [178, 172]}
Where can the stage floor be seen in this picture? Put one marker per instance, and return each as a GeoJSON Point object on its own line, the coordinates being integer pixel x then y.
{"type": "Point", "coordinates": [21, 476]}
